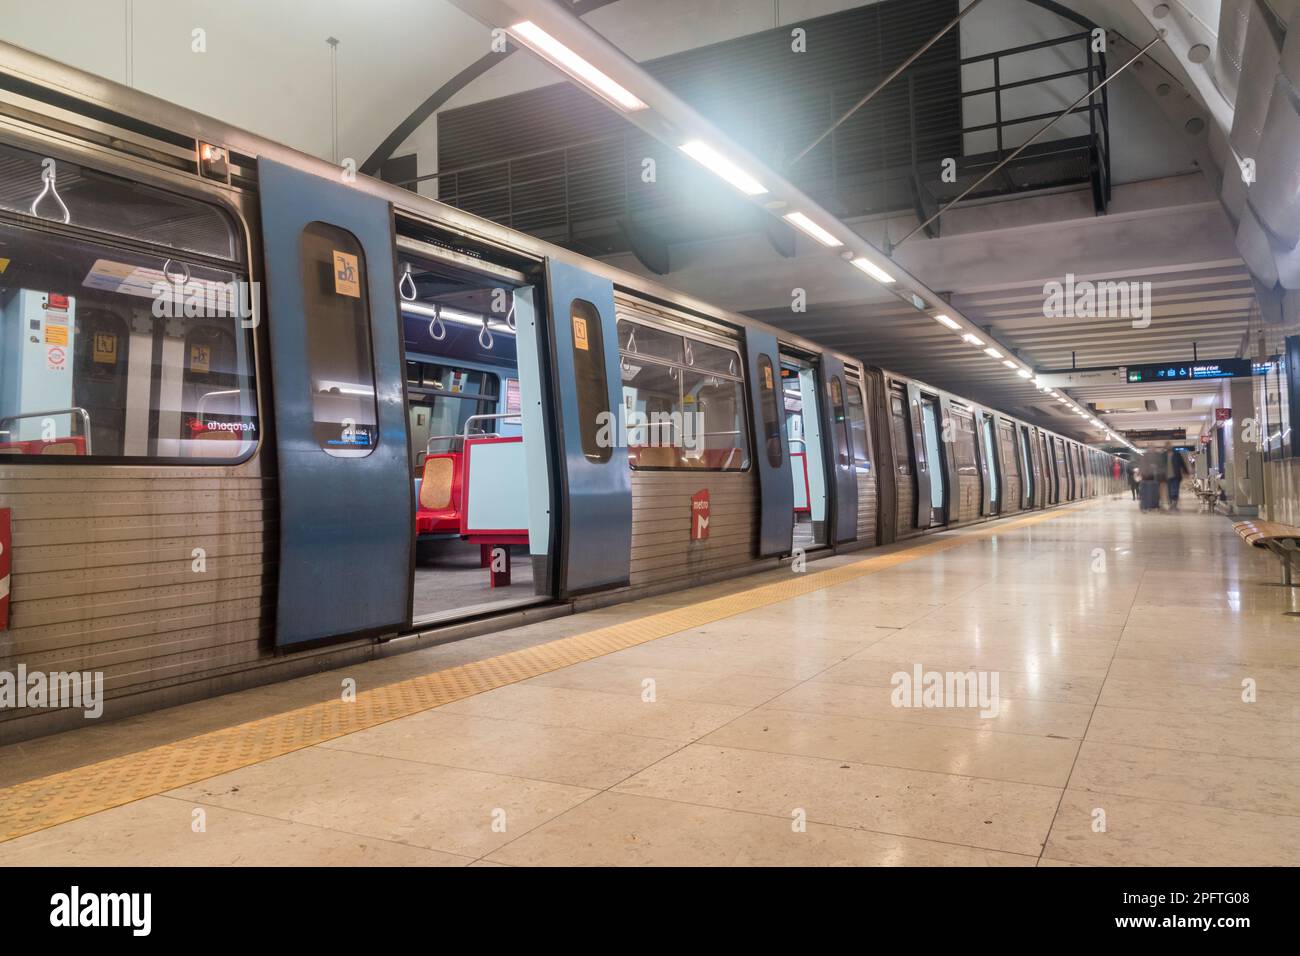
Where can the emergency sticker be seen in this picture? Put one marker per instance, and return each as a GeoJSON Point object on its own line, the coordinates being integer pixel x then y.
{"type": "Point", "coordinates": [580, 333]}
{"type": "Point", "coordinates": [56, 335]}
{"type": "Point", "coordinates": [200, 358]}
{"type": "Point", "coordinates": [105, 347]}
{"type": "Point", "coordinates": [347, 275]}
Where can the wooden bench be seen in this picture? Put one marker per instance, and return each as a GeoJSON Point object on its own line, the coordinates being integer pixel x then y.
{"type": "Point", "coordinates": [1282, 540]}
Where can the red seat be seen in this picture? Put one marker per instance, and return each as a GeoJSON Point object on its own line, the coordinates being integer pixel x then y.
{"type": "Point", "coordinates": [440, 495]}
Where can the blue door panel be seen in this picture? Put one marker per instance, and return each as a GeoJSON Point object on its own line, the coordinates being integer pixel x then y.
{"type": "Point", "coordinates": [346, 525]}
{"type": "Point", "coordinates": [841, 478]}
{"type": "Point", "coordinates": [596, 538]}
{"type": "Point", "coordinates": [775, 482]}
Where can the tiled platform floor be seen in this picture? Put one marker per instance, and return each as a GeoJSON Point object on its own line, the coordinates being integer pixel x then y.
{"type": "Point", "coordinates": [1121, 643]}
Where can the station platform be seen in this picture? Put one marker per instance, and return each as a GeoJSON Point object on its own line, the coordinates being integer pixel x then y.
{"type": "Point", "coordinates": [754, 722]}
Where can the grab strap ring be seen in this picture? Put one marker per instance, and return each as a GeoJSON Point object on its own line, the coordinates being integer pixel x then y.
{"type": "Point", "coordinates": [49, 188]}
{"type": "Point", "coordinates": [436, 323]}
{"type": "Point", "coordinates": [184, 276]}
{"type": "Point", "coordinates": [485, 337]}
{"type": "Point", "coordinates": [407, 281]}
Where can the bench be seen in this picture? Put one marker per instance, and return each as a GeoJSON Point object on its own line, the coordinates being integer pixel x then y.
{"type": "Point", "coordinates": [1281, 539]}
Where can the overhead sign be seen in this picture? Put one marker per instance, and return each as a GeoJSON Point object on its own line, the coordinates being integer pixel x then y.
{"type": "Point", "coordinates": [1190, 371]}
{"type": "Point", "coordinates": [1157, 434]}
{"type": "Point", "coordinates": [1223, 414]}
{"type": "Point", "coordinates": [1073, 377]}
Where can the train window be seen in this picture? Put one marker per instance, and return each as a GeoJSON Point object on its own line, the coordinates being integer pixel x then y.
{"type": "Point", "coordinates": [339, 357]}
{"type": "Point", "coordinates": [441, 400]}
{"type": "Point", "coordinates": [112, 353]}
{"type": "Point", "coordinates": [591, 383]}
{"type": "Point", "coordinates": [62, 191]}
{"type": "Point", "coordinates": [650, 342]}
{"type": "Point", "coordinates": [680, 415]}
{"type": "Point", "coordinates": [857, 416]}
{"type": "Point", "coordinates": [767, 402]}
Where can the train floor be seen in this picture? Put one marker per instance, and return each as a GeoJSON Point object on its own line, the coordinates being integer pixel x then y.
{"type": "Point", "coordinates": [451, 582]}
{"type": "Point", "coordinates": [1136, 681]}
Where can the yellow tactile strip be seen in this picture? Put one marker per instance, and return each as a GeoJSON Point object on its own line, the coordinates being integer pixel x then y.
{"type": "Point", "coordinates": [58, 798]}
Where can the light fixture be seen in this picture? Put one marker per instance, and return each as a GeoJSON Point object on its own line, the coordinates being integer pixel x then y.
{"type": "Point", "coordinates": [564, 59]}
{"type": "Point", "coordinates": [873, 270]}
{"type": "Point", "coordinates": [992, 352]}
{"type": "Point", "coordinates": [808, 227]}
{"type": "Point", "coordinates": [1062, 401]}
{"type": "Point", "coordinates": [1024, 373]}
{"type": "Point", "coordinates": [715, 162]}
{"type": "Point", "coordinates": [945, 321]}
{"type": "Point", "coordinates": [1008, 363]}
{"type": "Point", "coordinates": [972, 339]}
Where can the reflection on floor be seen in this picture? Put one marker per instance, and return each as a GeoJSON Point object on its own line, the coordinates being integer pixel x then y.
{"type": "Point", "coordinates": [1121, 735]}
{"type": "Point", "coordinates": [449, 581]}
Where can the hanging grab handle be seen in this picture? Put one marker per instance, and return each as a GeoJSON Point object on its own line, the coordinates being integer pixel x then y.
{"type": "Point", "coordinates": [510, 317]}
{"type": "Point", "coordinates": [407, 281]}
{"type": "Point", "coordinates": [49, 188]}
{"type": "Point", "coordinates": [485, 336]}
{"type": "Point", "coordinates": [182, 278]}
{"type": "Point", "coordinates": [436, 323]}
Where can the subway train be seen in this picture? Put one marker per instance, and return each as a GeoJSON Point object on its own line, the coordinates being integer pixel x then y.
{"type": "Point", "coordinates": [260, 416]}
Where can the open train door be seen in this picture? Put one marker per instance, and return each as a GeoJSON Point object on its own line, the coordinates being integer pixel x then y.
{"type": "Point", "coordinates": [346, 545]}
{"type": "Point", "coordinates": [835, 431]}
{"type": "Point", "coordinates": [595, 480]}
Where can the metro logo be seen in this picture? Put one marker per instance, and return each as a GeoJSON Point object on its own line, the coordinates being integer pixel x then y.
{"type": "Point", "coordinates": [700, 515]}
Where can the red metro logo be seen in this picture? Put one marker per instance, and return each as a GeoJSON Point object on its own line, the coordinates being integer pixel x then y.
{"type": "Point", "coordinates": [700, 515]}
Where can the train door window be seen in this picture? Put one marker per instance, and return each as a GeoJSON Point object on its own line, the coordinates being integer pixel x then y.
{"type": "Point", "coordinates": [592, 386]}
{"type": "Point", "coordinates": [856, 411]}
{"type": "Point", "coordinates": [1027, 468]}
{"type": "Point", "coordinates": [991, 464]}
{"type": "Point", "coordinates": [930, 431]}
{"type": "Point", "coordinates": [683, 400]}
{"type": "Point", "coordinates": [113, 352]}
{"type": "Point", "coordinates": [768, 398]}
{"type": "Point", "coordinates": [339, 356]}
{"type": "Point", "coordinates": [808, 466]}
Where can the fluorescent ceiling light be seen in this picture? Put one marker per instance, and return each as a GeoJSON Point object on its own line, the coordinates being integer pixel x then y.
{"type": "Point", "coordinates": [873, 270]}
{"type": "Point", "coordinates": [1008, 363]}
{"type": "Point", "coordinates": [560, 56]}
{"type": "Point", "coordinates": [1024, 373]}
{"type": "Point", "coordinates": [991, 352]}
{"type": "Point", "coordinates": [802, 222]}
{"type": "Point", "coordinates": [711, 159]}
{"type": "Point", "coordinates": [1062, 401]}
{"type": "Point", "coordinates": [944, 320]}
{"type": "Point", "coordinates": [972, 339]}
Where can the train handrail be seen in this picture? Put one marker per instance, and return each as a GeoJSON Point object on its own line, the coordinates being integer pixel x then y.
{"type": "Point", "coordinates": [493, 416]}
{"type": "Point", "coordinates": [74, 410]}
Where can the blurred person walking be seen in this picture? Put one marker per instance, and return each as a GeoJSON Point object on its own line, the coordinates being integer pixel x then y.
{"type": "Point", "coordinates": [1175, 469]}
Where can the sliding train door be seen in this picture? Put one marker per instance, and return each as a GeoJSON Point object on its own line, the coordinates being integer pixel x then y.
{"type": "Point", "coordinates": [802, 394]}
{"type": "Point", "coordinates": [771, 454]}
{"type": "Point", "coordinates": [345, 545]}
{"type": "Point", "coordinates": [595, 481]}
{"type": "Point", "coordinates": [839, 451]}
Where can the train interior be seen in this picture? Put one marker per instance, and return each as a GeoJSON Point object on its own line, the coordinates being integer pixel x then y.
{"type": "Point", "coordinates": [803, 435]}
{"type": "Point", "coordinates": [478, 443]}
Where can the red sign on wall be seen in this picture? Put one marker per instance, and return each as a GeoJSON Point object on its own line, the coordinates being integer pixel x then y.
{"type": "Point", "coordinates": [1223, 414]}
{"type": "Point", "coordinates": [4, 568]}
{"type": "Point", "coordinates": [700, 515]}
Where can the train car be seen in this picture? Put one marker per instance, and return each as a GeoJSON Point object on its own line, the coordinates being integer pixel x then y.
{"type": "Point", "coordinates": [260, 416]}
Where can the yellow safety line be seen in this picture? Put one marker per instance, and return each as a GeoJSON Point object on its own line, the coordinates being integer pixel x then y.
{"type": "Point", "coordinates": [58, 798]}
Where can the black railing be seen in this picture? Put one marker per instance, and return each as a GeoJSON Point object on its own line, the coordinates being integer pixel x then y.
{"type": "Point", "coordinates": [887, 157]}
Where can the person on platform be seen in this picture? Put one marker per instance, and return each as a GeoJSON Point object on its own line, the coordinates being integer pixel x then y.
{"type": "Point", "coordinates": [1175, 469]}
{"type": "Point", "coordinates": [1134, 480]}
